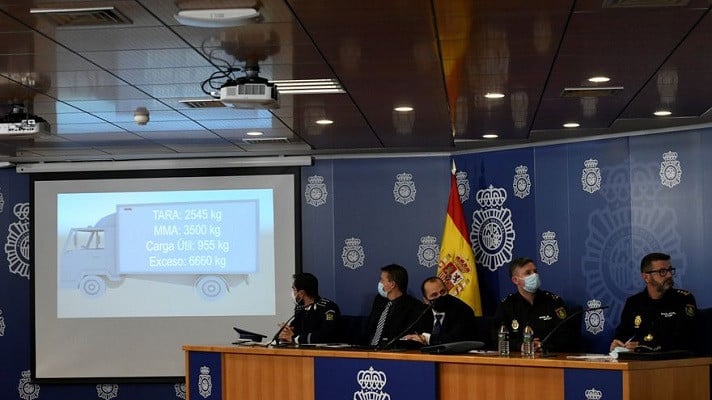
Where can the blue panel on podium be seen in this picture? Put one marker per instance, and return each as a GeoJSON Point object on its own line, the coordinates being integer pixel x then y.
{"type": "Point", "coordinates": [352, 378]}
{"type": "Point", "coordinates": [205, 374]}
{"type": "Point", "coordinates": [592, 384]}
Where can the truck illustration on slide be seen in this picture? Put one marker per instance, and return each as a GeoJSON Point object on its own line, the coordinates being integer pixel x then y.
{"type": "Point", "coordinates": [215, 243]}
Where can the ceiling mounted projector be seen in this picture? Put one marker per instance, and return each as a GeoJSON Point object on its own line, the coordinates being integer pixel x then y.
{"type": "Point", "coordinates": [218, 18]}
{"type": "Point", "coordinates": [249, 91]}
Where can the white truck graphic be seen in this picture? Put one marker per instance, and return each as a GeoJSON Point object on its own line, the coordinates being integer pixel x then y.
{"type": "Point", "coordinates": [214, 244]}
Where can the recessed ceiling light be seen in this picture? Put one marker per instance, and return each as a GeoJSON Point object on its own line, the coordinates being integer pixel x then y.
{"type": "Point", "coordinates": [494, 95]}
{"type": "Point", "coordinates": [254, 133]}
{"type": "Point", "coordinates": [662, 113]}
{"type": "Point", "coordinates": [490, 136]}
{"type": "Point", "coordinates": [599, 79]}
{"type": "Point", "coordinates": [403, 109]}
{"type": "Point", "coordinates": [572, 125]}
{"type": "Point", "coordinates": [324, 121]}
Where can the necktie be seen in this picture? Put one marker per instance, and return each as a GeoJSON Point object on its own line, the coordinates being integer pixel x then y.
{"type": "Point", "coordinates": [438, 324]}
{"type": "Point", "coordinates": [381, 322]}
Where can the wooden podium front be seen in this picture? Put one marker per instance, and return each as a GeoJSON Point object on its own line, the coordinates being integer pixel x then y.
{"type": "Point", "coordinates": [248, 373]}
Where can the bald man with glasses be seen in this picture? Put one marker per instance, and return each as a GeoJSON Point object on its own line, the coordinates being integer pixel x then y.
{"type": "Point", "coordinates": [660, 317]}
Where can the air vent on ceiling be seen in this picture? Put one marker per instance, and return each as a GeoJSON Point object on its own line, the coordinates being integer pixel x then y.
{"type": "Point", "coordinates": [202, 103]}
{"type": "Point", "coordinates": [87, 16]}
{"type": "Point", "coordinates": [266, 140]}
{"type": "Point", "coordinates": [591, 91]}
{"type": "Point", "coordinates": [643, 3]}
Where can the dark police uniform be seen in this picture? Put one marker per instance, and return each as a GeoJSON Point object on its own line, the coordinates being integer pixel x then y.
{"type": "Point", "coordinates": [317, 322]}
{"type": "Point", "coordinates": [543, 315]}
{"type": "Point", "coordinates": [668, 322]}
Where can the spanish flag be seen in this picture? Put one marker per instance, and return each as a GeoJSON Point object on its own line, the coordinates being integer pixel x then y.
{"type": "Point", "coordinates": [456, 266]}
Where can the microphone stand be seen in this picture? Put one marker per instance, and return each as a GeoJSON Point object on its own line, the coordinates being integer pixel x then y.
{"type": "Point", "coordinates": [281, 328]}
{"type": "Point", "coordinates": [542, 345]}
{"type": "Point", "coordinates": [406, 330]}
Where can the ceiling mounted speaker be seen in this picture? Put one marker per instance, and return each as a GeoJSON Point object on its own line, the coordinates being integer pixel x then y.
{"type": "Point", "coordinates": [218, 18]}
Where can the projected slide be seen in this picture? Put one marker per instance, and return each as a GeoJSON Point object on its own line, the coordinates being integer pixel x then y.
{"type": "Point", "coordinates": [118, 247]}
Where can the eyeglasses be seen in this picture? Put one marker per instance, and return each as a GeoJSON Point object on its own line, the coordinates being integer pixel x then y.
{"type": "Point", "coordinates": [662, 272]}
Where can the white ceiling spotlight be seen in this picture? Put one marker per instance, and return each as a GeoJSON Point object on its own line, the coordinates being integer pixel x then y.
{"type": "Point", "coordinates": [572, 125]}
{"type": "Point", "coordinates": [599, 79]}
{"type": "Point", "coordinates": [324, 121]}
{"type": "Point", "coordinates": [662, 113]}
{"type": "Point", "coordinates": [494, 95]}
{"type": "Point", "coordinates": [141, 116]}
{"type": "Point", "coordinates": [218, 18]}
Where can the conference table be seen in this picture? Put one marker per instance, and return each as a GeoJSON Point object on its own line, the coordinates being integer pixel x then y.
{"type": "Point", "coordinates": [218, 372]}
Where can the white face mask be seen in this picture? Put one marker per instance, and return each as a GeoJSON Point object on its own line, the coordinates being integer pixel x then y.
{"type": "Point", "coordinates": [531, 282]}
{"type": "Point", "coordinates": [294, 297]}
{"type": "Point", "coordinates": [381, 290]}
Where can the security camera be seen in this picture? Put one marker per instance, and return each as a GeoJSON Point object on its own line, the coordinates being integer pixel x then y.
{"type": "Point", "coordinates": [141, 116]}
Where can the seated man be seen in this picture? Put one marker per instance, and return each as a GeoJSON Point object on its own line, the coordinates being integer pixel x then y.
{"type": "Point", "coordinates": [532, 306]}
{"type": "Point", "coordinates": [393, 309]}
{"type": "Point", "coordinates": [660, 317]}
{"type": "Point", "coordinates": [451, 319]}
{"type": "Point", "coordinates": [316, 319]}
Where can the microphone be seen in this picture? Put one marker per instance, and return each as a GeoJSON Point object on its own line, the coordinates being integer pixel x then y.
{"type": "Point", "coordinates": [558, 326]}
{"type": "Point", "coordinates": [281, 328]}
{"type": "Point", "coordinates": [389, 343]}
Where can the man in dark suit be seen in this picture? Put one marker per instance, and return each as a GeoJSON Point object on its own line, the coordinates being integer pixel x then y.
{"type": "Point", "coordinates": [451, 319]}
{"type": "Point", "coordinates": [393, 308]}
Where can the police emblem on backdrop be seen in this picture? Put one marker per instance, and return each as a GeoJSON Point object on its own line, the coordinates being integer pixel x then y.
{"type": "Point", "coordinates": [492, 234]}
{"type": "Point", "coordinates": [17, 245]}
{"type": "Point", "coordinates": [107, 391]}
{"type": "Point", "coordinates": [315, 191]}
{"type": "Point", "coordinates": [2, 324]}
{"type": "Point", "coordinates": [521, 184]}
{"type": "Point", "coordinates": [352, 254]}
{"type": "Point", "coordinates": [404, 188]}
{"type": "Point", "coordinates": [372, 382]}
{"type": "Point", "coordinates": [593, 394]}
{"type": "Point", "coordinates": [670, 170]}
{"type": "Point", "coordinates": [27, 389]}
{"type": "Point", "coordinates": [549, 248]}
{"type": "Point", "coordinates": [2, 202]}
{"type": "Point", "coordinates": [180, 390]}
{"type": "Point", "coordinates": [594, 319]}
{"type": "Point", "coordinates": [591, 176]}
{"type": "Point", "coordinates": [463, 186]}
{"type": "Point", "coordinates": [428, 251]}
{"type": "Point", "coordinates": [205, 382]}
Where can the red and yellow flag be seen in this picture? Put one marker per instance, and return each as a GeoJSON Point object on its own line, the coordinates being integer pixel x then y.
{"type": "Point", "coordinates": [456, 266]}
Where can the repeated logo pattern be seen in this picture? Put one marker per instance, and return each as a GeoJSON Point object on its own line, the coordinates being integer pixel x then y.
{"type": "Point", "coordinates": [315, 191]}
{"type": "Point", "coordinates": [428, 251]}
{"type": "Point", "coordinates": [352, 254]}
{"type": "Point", "coordinates": [17, 244]}
{"type": "Point", "coordinates": [593, 394]}
{"type": "Point", "coordinates": [2, 324]}
{"type": "Point", "coordinates": [205, 382]}
{"type": "Point", "coordinates": [27, 389]}
{"type": "Point", "coordinates": [549, 248]}
{"type": "Point", "coordinates": [180, 390]}
{"type": "Point", "coordinates": [594, 319]}
{"type": "Point", "coordinates": [404, 188]}
{"type": "Point", "coordinates": [591, 176]}
{"type": "Point", "coordinates": [670, 170]}
{"type": "Point", "coordinates": [372, 383]}
{"type": "Point", "coordinates": [463, 186]}
{"type": "Point", "coordinates": [522, 184]}
{"type": "Point", "coordinates": [107, 391]}
{"type": "Point", "coordinates": [492, 233]}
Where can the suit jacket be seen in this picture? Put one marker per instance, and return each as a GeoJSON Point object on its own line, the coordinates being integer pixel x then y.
{"type": "Point", "coordinates": [404, 311]}
{"type": "Point", "coordinates": [458, 324]}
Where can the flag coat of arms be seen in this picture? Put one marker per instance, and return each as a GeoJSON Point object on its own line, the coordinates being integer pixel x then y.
{"type": "Point", "coordinates": [456, 266]}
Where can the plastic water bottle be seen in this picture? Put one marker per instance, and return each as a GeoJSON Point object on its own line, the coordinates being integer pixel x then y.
{"type": "Point", "coordinates": [503, 341]}
{"type": "Point", "coordinates": [528, 342]}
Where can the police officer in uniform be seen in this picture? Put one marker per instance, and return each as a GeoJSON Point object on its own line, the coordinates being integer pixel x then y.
{"type": "Point", "coordinates": [529, 305]}
{"type": "Point", "coordinates": [316, 319]}
{"type": "Point", "coordinates": [660, 317]}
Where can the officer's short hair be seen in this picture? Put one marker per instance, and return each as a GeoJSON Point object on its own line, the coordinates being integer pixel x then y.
{"type": "Point", "coordinates": [647, 261]}
{"type": "Point", "coordinates": [398, 274]}
{"type": "Point", "coordinates": [306, 282]}
{"type": "Point", "coordinates": [519, 262]}
{"type": "Point", "coordinates": [428, 280]}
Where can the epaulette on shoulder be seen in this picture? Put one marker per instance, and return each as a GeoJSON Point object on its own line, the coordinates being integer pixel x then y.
{"type": "Point", "coordinates": [509, 296]}
{"type": "Point", "coordinates": [553, 296]}
{"type": "Point", "coordinates": [683, 292]}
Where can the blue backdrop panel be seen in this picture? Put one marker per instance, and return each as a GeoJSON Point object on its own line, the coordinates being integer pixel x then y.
{"type": "Point", "coordinates": [205, 372]}
{"type": "Point", "coordinates": [387, 230]}
{"type": "Point", "coordinates": [592, 384]}
{"type": "Point", "coordinates": [363, 379]}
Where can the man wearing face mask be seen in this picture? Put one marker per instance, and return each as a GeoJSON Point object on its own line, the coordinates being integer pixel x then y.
{"type": "Point", "coordinates": [316, 319]}
{"type": "Point", "coordinates": [529, 305]}
{"type": "Point", "coordinates": [393, 308]}
{"type": "Point", "coordinates": [660, 317]}
{"type": "Point", "coordinates": [451, 319]}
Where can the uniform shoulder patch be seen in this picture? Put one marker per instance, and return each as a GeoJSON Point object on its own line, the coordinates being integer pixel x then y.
{"type": "Point", "coordinates": [560, 312]}
{"type": "Point", "coordinates": [690, 310]}
{"type": "Point", "coordinates": [329, 315]}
